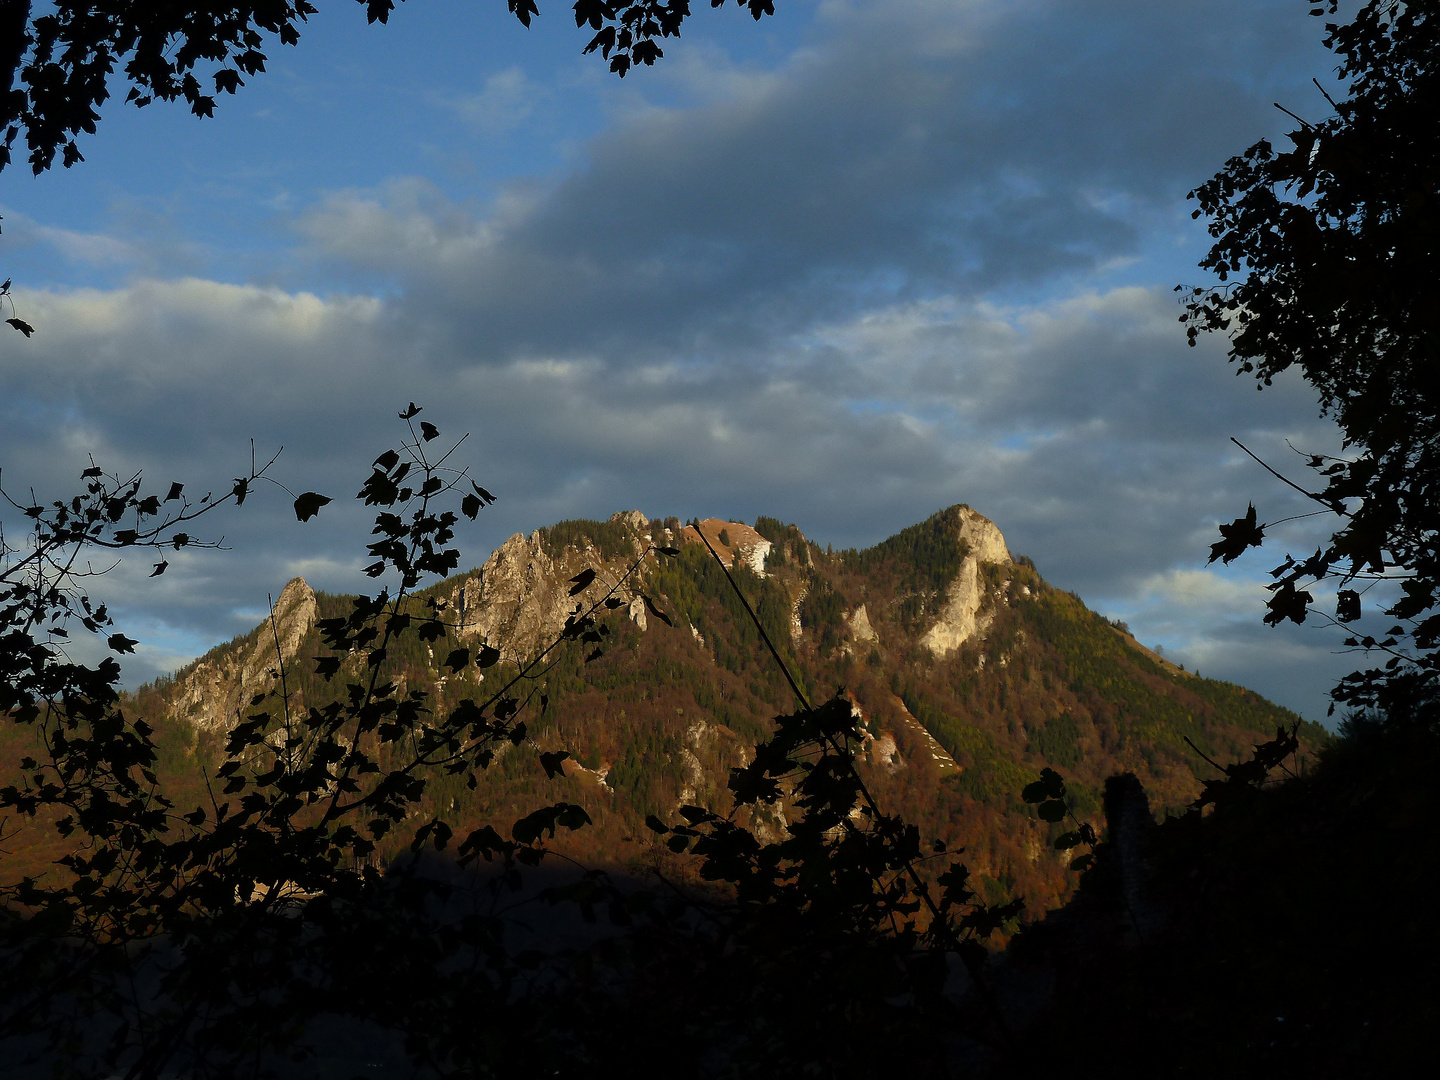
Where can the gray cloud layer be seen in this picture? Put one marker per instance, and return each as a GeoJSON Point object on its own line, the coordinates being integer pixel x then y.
{"type": "Point", "coordinates": [882, 278]}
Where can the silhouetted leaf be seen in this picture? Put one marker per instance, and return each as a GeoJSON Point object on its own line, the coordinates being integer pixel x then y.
{"type": "Point", "coordinates": [121, 644]}
{"type": "Point", "coordinates": [1237, 537]}
{"type": "Point", "coordinates": [552, 762]}
{"type": "Point", "coordinates": [581, 581]}
{"type": "Point", "coordinates": [309, 504]}
{"type": "Point", "coordinates": [428, 431]}
{"type": "Point", "coordinates": [1050, 786]}
{"type": "Point", "coordinates": [21, 325]}
{"type": "Point", "coordinates": [458, 659]}
{"type": "Point", "coordinates": [1286, 602]}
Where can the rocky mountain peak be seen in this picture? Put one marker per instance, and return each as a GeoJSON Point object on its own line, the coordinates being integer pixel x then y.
{"type": "Point", "coordinates": [634, 520]}
{"type": "Point", "coordinates": [967, 673]}
{"type": "Point", "coordinates": [214, 689]}
{"type": "Point", "coordinates": [986, 543]}
{"type": "Point", "coordinates": [734, 541]}
{"type": "Point", "coordinates": [964, 616]}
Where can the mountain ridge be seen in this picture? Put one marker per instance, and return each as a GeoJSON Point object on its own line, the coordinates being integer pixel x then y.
{"type": "Point", "coordinates": [969, 671]}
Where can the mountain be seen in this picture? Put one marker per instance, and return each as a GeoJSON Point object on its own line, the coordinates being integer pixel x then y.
{"type": "Point", "coordinates": [969, 670]}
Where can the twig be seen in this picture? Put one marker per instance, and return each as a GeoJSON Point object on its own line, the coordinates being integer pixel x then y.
{"type": "Point", "coordinates": [1306, 123]}
{"type": "Point", "coordinates": [1204, 755]}
{"type": "Point", "coordinates": [1285, 480]}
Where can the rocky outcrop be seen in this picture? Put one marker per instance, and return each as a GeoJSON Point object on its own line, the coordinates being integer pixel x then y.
{"type": "Point", "coordinates": [963, 617]}
{"type": "Point", "coordinates": [213, 693]}
{"type": "Point", "coordinates": [520, 599]}
{"type": "Point", "coordinates": [982, 536]}
{"type": "Point", "coordinates": [860, 628]}
{"type": "Point", "coordinates": [707, 754]}
{"type": "Point", "coordinates": [515, 598]}
{"type": "Point", "coordinates": [735, 542]}
{"type": "Point", "coordinates": [1130, 826]}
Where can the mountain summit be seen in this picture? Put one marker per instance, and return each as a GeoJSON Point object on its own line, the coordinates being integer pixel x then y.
{"type": "Point", "coordinates": [968, 670]}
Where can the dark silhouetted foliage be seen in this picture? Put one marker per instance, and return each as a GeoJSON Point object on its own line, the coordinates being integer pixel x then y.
{"type": "Point", "coordinates": [1331, 245]}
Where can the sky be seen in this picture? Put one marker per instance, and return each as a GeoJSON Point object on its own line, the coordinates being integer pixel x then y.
{"type": "Point", "coordinates": [844, 266]}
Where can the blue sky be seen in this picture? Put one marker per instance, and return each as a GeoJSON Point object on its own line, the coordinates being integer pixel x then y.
{"type": "Point", "coordinates": [845, 266]}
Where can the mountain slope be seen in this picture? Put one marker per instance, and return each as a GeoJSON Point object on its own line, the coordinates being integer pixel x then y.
{"type": "Point", "coordinates": [969, 670]}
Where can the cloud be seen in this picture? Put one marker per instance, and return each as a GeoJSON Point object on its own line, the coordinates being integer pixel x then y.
{"type": "Point", "coordinates": [506, 101]}
{"type": "Point", "coordinates": [913, 150]}
{"type": "Point", "coordinates": [89, 249]}
{"type": "Point", "coordinates": [924, 259]}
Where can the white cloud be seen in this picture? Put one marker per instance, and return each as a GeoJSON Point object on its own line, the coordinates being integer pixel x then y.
{"type": "Point", "coordinates": [507, 100]}
{"type": "Point", "coordinates": [88, 248]}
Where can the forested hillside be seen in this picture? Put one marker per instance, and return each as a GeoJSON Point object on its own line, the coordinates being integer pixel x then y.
{"type": "Point", "coordinates": [970, 673]}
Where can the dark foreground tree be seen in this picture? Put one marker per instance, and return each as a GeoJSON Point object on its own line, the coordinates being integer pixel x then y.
{"type": "Point", "coordinates": [1327, 254]}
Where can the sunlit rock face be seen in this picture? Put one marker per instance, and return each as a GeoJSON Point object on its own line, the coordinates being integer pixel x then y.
{"type": "Point", "coordinates": [521, 598]}
{"type": "Point", "coordinates": [515, 598]}
{"type": "Point", "coordinates": [964, 615]}
{"type": "Point", "coordinates": [218, 687]}
{"type": "Point", "coordinates": [860, 628]}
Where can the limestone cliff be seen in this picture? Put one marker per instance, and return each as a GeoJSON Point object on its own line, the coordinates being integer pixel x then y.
{"type": "Point", "coordinates": [520, 599]}
{"type": "Point", "coordinates": [214, 691]}
{"type": "Point", "coordinates": [963, 616]}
